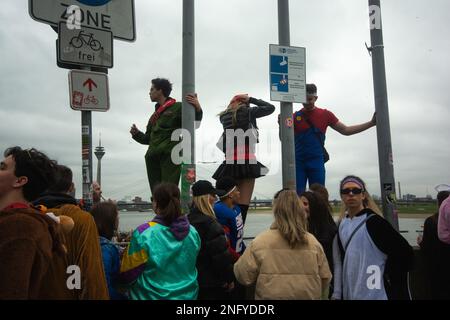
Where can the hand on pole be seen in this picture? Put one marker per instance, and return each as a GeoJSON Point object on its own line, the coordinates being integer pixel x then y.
{"type": "Point", "coordinates": [193, 100]}
{"type": "Point", "coordinates": [374, 119]}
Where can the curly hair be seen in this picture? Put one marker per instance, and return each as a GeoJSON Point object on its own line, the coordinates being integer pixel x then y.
{"type": "Point", "coordinates": [36, 166]}
{"type": "Point", "coordinates": [164, 85]}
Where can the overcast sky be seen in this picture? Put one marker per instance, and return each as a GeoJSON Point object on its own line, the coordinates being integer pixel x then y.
{"type": "Point", "coordinates": [232, 56]}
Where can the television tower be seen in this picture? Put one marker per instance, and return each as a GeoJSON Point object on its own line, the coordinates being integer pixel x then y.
{"type": "Point", "coordinates": [99, 153]}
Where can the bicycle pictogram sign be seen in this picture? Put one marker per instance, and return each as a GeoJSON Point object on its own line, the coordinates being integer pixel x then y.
{"type": "Point", "coordinates": [85, 39]}
{"type": "Point", "coordinates": [90, 99]}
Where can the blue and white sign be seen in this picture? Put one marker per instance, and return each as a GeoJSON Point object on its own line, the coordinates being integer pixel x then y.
{"type": "Point", "coordinates": [287, 73]}
{"type": "Point", "coordinates": [116, 16]}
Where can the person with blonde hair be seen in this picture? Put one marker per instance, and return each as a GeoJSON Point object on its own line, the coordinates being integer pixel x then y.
{"type": "Point", "coordinates": [286, 261]}
{"type": "Point", "coordinates": [371, 259]}
{"type": "Point", "coordinates": [214, 261]}
{"type": "Point", "coordinates": [238, 142]}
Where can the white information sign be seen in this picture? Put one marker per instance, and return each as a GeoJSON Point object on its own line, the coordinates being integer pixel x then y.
{"type": "Point", "coordinates": [287, 73]}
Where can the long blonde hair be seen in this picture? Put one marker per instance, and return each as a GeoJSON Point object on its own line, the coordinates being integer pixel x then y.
{"type": "Point", "coordinates": [202, 204]}
{"type": "Point", "coordinates": [368, 201]}
{"type": "Point", "coordinates": [233, 110]}
{"type": "Point", "coordinates": [290, 218]}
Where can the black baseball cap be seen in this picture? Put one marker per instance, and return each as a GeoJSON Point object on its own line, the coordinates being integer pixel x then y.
{"type": "Point", "coordinates": [202, 187]}
{"type": "Point", "coordinates": [225, 185]}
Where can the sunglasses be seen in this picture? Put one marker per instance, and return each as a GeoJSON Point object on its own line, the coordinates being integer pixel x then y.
{"type": "Point", "coordinates": [351, 190]}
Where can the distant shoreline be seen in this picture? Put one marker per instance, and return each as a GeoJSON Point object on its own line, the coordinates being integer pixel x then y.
{"type": "Point", "coordinates": [269, 211]}
{"type": "Point", "coordinates": [400, 215]}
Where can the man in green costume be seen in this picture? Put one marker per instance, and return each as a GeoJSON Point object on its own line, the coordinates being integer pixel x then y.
{"type": "Point", "coordinates": [165, 119]}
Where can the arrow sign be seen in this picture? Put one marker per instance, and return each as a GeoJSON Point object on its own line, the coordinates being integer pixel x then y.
{"type": "Point", "coordinates": [90, 83]}
{"type": "Point", "coordinates": [88, 91]}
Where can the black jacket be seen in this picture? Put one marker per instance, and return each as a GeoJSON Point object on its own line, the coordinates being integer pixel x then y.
{"type": "Point", "coordinates": [55, 200]}
{"type": "Point", "coordinates": [214, 262]}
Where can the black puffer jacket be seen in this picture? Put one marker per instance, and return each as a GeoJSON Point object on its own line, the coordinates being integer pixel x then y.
{"type": "Point", "coordinates": [214, 262]}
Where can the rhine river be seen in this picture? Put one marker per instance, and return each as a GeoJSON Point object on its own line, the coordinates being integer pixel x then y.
{"type": "Point", "coordinates": [258, 222]}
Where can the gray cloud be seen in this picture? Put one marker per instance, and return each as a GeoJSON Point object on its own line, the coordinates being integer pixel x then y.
{"type": "Point", "coordinates": [232, 43]}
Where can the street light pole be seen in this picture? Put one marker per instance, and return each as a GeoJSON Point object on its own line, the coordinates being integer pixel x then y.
{"type": "Point", "coordinates": [188, 114]}
{"type": "Point", "coordinates": [385, 158]}
{"type": "Point", "coordinates": [286, 123]}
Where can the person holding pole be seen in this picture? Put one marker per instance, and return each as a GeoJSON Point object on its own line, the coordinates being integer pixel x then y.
{"type": "Point", "coordinates": [165, 119]}
{"type": "Point", "coordinates": [310, 125]}
{"type": "Point", "coordinates": [238, 142]}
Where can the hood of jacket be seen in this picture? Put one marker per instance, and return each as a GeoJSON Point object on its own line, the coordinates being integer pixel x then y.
{"type": "Point", "coordinates": [54, 200]}
{"type": "Point", "coordinates": [179, 227]}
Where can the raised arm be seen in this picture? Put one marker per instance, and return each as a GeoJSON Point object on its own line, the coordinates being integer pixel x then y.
{"type": "Point", "coordinates": [139, 136]}
{"type": "Point", "coordinates": [349, 130]}
{"type": "Point", "coordinates": [263, 108]}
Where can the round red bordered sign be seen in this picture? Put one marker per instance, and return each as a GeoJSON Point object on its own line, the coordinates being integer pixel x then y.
{"type": "Point", "coordinates": [288, 122]}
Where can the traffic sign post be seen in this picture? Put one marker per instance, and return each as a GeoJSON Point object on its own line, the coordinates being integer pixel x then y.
{"type": "Point", "coordinates": [85, 46]}
{"type": "Point", "coordinates": [89, 91]}
{"type": "Point", "coordinates": [287, 73]}
{"type": "Point", "coordinates": [117, 16]}
{"type": "Point", "coordinates": [85, 41]}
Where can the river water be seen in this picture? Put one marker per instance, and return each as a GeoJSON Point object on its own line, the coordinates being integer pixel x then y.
{"type": "Point", "coordinates": [258, 222]}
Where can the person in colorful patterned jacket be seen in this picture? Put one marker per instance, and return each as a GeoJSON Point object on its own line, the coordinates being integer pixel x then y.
{"type": "Point", "coordinates": [160, 260]}
{"type": "Point", "coordinates": [310, 126]}
{"type": "Point", "coordinates": [162, 123]}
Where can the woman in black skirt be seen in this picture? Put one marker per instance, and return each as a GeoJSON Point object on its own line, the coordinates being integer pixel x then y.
{"type": "Point", "coordinates": [238, 142]}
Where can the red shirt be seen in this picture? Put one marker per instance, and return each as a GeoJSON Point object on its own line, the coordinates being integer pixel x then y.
{"type": "Point", "coordinates": [320, 118]}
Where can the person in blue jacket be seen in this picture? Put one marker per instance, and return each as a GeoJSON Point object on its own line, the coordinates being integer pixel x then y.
{"type": "Point", "coordinates": [106, 218]}
{"type": "Point", "coordinates": [229, 215]}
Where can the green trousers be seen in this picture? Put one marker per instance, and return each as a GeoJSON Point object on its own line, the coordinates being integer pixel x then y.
{"type": "Point", "coordinates": [160, 168]}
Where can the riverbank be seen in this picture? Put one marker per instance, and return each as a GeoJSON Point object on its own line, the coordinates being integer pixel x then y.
{"type": "Point", "coordinates": [410, 215]}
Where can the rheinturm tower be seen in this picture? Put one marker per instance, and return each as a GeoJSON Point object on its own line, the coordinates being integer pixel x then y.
{"type": "Point", "coordinates": [99, 153]}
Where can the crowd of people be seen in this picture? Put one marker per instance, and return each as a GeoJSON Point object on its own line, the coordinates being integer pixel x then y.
{"type": "Point", "coordinates": [52, 248]}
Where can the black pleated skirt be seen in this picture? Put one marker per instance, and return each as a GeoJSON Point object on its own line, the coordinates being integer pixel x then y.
{"type": "Point", "coordinates": [241, 171]}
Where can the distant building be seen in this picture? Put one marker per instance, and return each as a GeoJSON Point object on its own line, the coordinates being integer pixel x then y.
{"type": "Point", "coordinates": [409, 197]}
{"type": "Point", "coordinates": [138, 200]}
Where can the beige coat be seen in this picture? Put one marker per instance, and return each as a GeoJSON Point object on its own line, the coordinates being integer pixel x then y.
{"type": "Point", "coordinates": [281, 272]}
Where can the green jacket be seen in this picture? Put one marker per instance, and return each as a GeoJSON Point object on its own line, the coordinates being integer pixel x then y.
{"type": "Point", "coordinates": [157, 137]}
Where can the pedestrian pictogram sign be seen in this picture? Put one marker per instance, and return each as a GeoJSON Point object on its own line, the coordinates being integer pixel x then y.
{"type": "Point", "coordinates": [85, 46]}
{"type": "Point", "coordinates": [89, 91]}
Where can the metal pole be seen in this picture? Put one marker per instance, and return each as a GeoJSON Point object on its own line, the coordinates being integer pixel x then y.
{"type": "Point", "coordinates": [287, 131]}
{"type": "Point", "coordinates": [86, 145]}
{"type": "Point", "coordinates": [188, 116]}
{"type": "Point", "coordinates": [385, 158]}
{"type": "Point", "coordinates": [86, 154]}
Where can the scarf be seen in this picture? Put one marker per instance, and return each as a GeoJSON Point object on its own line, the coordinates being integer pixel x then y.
{"type": "Point", "coordinates": [155, 116]}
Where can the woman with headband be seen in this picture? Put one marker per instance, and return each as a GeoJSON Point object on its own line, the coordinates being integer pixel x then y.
{"type": "Point", "coordinates": [371, 259]}
{"type": "Point", "coordinates": [239, 125]}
